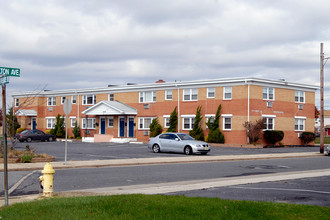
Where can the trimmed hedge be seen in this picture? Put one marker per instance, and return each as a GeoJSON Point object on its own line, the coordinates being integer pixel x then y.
{"type": "Point", "coordinates": [307, 137]}
{"type": "Point", "coordinates": [273, 136]}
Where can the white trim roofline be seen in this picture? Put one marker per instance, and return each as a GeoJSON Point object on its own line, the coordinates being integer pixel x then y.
{"type": "Point", "coordinates": [169, 85]}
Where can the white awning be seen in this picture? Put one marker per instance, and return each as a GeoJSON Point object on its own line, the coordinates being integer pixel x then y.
{"type": "Point", "coordinates": [26, 112]}
{"type": "Point", "coordinates": [110, 108]}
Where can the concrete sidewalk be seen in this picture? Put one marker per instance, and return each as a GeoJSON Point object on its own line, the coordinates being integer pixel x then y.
{"type": "Point", "coordinates": [156, 160]}
{"type": "Point", "coordinates": [166, 187]}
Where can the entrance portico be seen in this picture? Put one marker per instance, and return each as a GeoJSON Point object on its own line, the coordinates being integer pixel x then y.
{"type": "Point", "coordinates": [115, 121]}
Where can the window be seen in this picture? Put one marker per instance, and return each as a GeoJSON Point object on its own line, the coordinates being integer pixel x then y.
{"type": "Point", "coordinates": [73, 121]}
{"type": "Point", "coordinates": [110, 122]}
{"type": "Point", "coordinates": [88, 123]}
{"type": "Point", "coordinates": [299, 96]}
{"type": "Point", "coordinates": [16, 102]}
{"type": "Point", "coordinates": [209, 117]}
{"type": "Point", "coordinates": [168, 95]}
{"type": "Point", "coordinates": [73, 99]}
{"type": "Point", "coordinates": [227, 92]}
{"type": "Point", "coordinates": [268, 122]}
{"type": "Point", "coordinates": [190, 94]}
{"type": "Point", "coordinates": [188, 122]}
{"type": "Point", "coordinates": [144, 123]}
{"type": "Point", "coordinates": [166, 121]}
{"type": "Point", "coordinates": [268, 93]}
{"type": "Point", "coordinates": [111, 97]}
{"type": "Point", "coordinates": [50, 123]}
{"type": "Point", "coordinates": [149, 96]}
{"type": "Point", "coordinates": [299, 123]}
{"type": "Point", "coordinates": [226, 122]}
{"type": "Point", "coordinates": [210, 92]}
{"type": "Point", "coordinates": [89, 99]}
{"type": "Point", "coordinates": [51, 101]}
{"type": "Point", "coordinates": [62, 99]}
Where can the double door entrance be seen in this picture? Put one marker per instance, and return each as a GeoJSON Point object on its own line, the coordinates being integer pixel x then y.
{"type": "Point", "coordinates": [125, 126]}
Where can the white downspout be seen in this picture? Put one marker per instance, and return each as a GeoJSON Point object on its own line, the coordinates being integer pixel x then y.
{"type": "Point", "coordinates": [248, 107]}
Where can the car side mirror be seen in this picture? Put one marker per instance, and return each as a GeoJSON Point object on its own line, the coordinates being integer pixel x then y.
{"type": "Point", "coordinates": [177, 139]}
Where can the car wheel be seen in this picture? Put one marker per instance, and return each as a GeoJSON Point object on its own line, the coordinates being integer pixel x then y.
{"type": "Point", "coordinates": [28, 139]}
{"type": "Point", "coordinates": [204, 153]}
{"type": "Point", "coordinates": [156, 148]}
{"type": "Point", "coordinates": [188, 150]}
{"type": "Point", "coordinates": [50, 139]}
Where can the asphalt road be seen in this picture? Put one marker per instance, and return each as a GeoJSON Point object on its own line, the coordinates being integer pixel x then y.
{"type": "Point", "coordinates": [105, 151]}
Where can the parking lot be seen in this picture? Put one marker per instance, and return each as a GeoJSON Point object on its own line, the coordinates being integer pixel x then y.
{"type": "Point", "coordinates": [104, 151]}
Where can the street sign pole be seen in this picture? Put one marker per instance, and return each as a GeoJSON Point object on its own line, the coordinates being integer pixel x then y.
{"type": "Point", "coordinates": [67, 107]}
{"type": "Point", "coordinates": [5, 170]}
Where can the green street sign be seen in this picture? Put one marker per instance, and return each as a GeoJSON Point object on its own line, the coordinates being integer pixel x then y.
{"type": "Point", "coordinates": [10, 71]}
{"type": "Point", "coordinates": [4, 80]}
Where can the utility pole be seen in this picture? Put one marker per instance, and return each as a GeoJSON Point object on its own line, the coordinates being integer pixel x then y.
{"type": "Point", "coordinates": [322, 64]}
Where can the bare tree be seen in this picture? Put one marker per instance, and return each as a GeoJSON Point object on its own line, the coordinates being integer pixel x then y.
{"type": "Point", "coordinates": [254, 130]}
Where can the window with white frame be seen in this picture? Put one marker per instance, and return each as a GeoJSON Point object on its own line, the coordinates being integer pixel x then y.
{"type": "Point", "coordinates": [89, 100]}
{"type": "Point", "coordinates": [62, 99]}
{"type": "Point", "coordinates": [226, 122]}
{"type": "Point", "coordinates": [299, 123]}
{"type": "Point", "coordinates": [88, 123]}
{"type": "Point", "coordinates": [144, 123]}
{"type": "Point", "coordinates": [149, 96]}
{"type": "Point", "coordinates": [51, 101]}
{"type": "Point", "coordinates": [188, 122]}
{"type": "Point", "coordinates": [73, 121]}
{"type": "Point", "coordinates": [110, 122]}
{"type": "Point", "coordinates": [190, 94]}
{"type": "Point", "coordinates": [168, 94]}
{"type": "Point", "coordinates": [210, 92]}
{"type": "Point", "coordinates": [299, 96]}
{"type": "Point", "coordinates": [166, 121]}
{"type": "Point", "coordinates": [209, 117]}
{"type": "Point", "coordinates": [268, 122]}
{"type": "Point", "coordinates": [227, 92]}
{"type": "Point", "coordinates": [111, 97]}
{"type": "Point", "coordinates": [268, 93]}
{"type": "Point", "coordinates": [73, 99]}
{"type": "Point", "coordinates": [50, 122]}
{"type": "Point", "coordinates": [16, 102]}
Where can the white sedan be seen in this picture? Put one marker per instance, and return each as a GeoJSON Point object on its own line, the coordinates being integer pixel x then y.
{"type": "Point", "coordinates": [177, 142]}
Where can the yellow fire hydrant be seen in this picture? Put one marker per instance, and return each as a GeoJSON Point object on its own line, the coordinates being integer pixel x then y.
{"type": "Point", "coordinates": [47, 180]}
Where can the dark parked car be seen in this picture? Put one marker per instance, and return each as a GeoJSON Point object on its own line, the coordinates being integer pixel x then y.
{"type": "Point", "coordinates": [33, 135]}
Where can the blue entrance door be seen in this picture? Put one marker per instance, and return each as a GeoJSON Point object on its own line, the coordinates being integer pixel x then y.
{"type": "Point", "coordinates": [102, 125]}
{"type": "Point", "coordinates": [122, 127]}
{"type": "Point", "coordinates": [34, 123]}
{"type": "Point", "coordinates": [131, 127]}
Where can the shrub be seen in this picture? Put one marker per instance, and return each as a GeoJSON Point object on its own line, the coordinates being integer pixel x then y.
{"type": "Point", "coordinates": [155, 128]}
{"type": "Point", "coordinates": [19, 130]}
{"type": "Point", "coordinates": [197, 131]}
{"type": "Point", "coordinates": [254, 130]}
{"type": "Point", "coordinates": [307, 137]}
{"type": "Point", "coordinates": [216, 136]}
{"type": "Point", "coordinates": [273, 136]}
{"type": "Point", "coordinates": [48, 131]}
{"type": "Point", "coordinates": [173, 121]}
{"type": "Point", "coordinates": [26, 158]}
{"type": "Point", "coordinates": [76, 131]}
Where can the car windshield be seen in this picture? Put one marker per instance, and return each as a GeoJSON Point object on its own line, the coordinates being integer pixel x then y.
{"type": "Point", "coordinates": [24, 132]}
{"type": "Point", "coordinates": [185, 137]}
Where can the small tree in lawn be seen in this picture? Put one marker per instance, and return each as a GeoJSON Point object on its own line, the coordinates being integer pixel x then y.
{"type": "Point", "coordinates": [155, 128]}
{"type": "Point", "coordinates": [215, 135]}
{"type": "Point", "coordinates": [59, 130]}
{"type": "Point", "coordinates": [254, 130]}
{"type": "Point", "coordinates": [197, 131]}
{"type": "Point", "coordinates": [173, 121]}
{"type": "Point", "coordinates": [12, 123]}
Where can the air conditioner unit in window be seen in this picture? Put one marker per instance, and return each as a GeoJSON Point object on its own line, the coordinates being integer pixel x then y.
{"type": "Point", "coordinates": [269, 104]}
{"type": "Point", "coordinates": [50, 109]}
{"type": "Point", "coordinates": [299, 135]}
{"type": "Point", "coordinates": [146, 106]}
{"type": "Point", "coordinates": [300, 106]}
{"type": "Point", "coordinates": [146, 133]}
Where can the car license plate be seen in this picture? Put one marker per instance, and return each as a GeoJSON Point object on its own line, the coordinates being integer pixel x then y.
{"type": "Point", "coordinates": [206, 148]}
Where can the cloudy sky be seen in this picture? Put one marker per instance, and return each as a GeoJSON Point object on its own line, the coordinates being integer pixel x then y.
{"type": "Point", "coordinates": [61, 44]}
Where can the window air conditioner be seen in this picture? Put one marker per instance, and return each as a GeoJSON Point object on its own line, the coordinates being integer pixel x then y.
{"type": "Point", "coordinates": [269, 104]}
{"type": "Point", "coordinates": [146, 133]}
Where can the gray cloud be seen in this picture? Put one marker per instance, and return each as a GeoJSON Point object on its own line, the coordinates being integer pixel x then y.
{"type": "Point", "coordinates": [62, 44]}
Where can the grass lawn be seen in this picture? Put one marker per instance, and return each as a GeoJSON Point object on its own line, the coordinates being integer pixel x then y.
{"type": "Point", "coordinates": [326, 140]}
{"type": "Point", "coordinates": [158, 207]}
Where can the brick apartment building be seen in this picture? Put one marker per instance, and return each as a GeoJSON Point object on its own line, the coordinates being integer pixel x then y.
{"type": "Point", "coordinates": [124, 113]}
